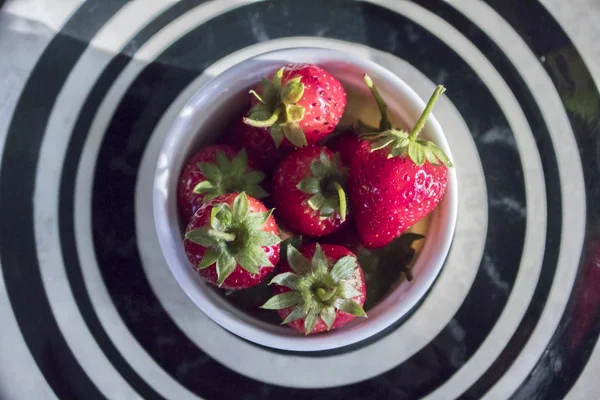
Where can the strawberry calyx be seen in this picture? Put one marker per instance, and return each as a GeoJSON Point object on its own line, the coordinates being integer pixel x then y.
{"type": "Point", "coordinates": [318, 289]}
{"type": "Point", "coordinates": [234, 236]}
{"type": "Point", "coordinates": [398, 142]}
{"type": "Point", "coordinates": [326, 185]}
{"type": "Point", "coordinates": [229, 176]}
{"type": "Point", "coordinates": [277, 109]}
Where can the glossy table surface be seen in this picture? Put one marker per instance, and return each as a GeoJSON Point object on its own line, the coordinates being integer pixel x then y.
{"type": "Point", "coordinates": [88, 307]}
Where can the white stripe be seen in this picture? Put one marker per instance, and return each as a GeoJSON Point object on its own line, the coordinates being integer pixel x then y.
{"type": "Point", "coordinates": [41, 15]}
{"type": "Point", "coordinates": [573, 207]}
{"type": "Point", "coordinates": [74, 92]}
{"type": "Point", "coordinates": [20, 377]}
{"type": "Point", "coordinates": [446, 297]}
{"type": "Point", "coordinates": [21, 44]}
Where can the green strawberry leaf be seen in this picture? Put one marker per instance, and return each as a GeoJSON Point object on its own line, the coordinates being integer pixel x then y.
{"type": "Point", "coordinates": [282, 300]}
{"type": "Point", "coordinates": [292, 92]}
{"type": "Point", "coordinates": [287, 279]}
{"type": "Point", "coordinates": [240, 206]}
{"type": "Point", "coordinates": [346, 290]}
{"type": "Point", "coordinates": [296, 314]}
{"type": "Point", "coordinates": [350, 307]}
{"type": "Point", "coordinates": [319, 262]}
{"type": "Point", "coordinates": [252, 259]}
{"type": "Point", "coordinates": [294, 134]}
{"type": "Point", "coordinates": [263, 238]}
{"type": "Point", "coordinates": [309, 185]}
{"type": "Point", "coordinates": [416, 153]}
{"type": "Point", "coordinates": [328, 316]}
{"type": "Point", "coordinates": [200, 236]}
{"type": "Point", "coordinates": [225, 266]}
{"type": "Point", "coordinates": [223, 163]}
{"type": "Point", "coordinates": [239, 164]}
{"type": "Point", "coordinates": [277, 78]}
{"type": "Point", "coordinates": [298, 263]}
{"type": "Point", "coordinates": [262, 112]}
{"type": "Point", "coordinates": [344, 268]}
{"type": "Point", "coordinates": [255, 191]}
{"type": "Point", "coordinates": [253, 177]}
{"type": "Point", "coordinates": [277, 134]}
{"type": "Point", "coordinates": [439, 153]}
{"type": "Point", "coordinates": [294, 113]}
{"type": "Point", "coordinates": [215, 222]}
{"type": "Point", "coordinates": [311, 320]}
{"type": "Point", "coordinates": [258, 219]}
{"type": "Point", "coordinates": [317, 201]}
{"type": "Point", "coordinates": [210, 171]}
{"type": "Point", "coordinates": [204, 187]}
{"type": "Point", "coordinates": [210, 257]}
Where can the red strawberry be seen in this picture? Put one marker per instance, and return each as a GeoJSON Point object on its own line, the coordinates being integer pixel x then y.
{"type": "Point", "coordinates": [308, 191]}
{"type": "Point", "coordinates": [302, 103]}
{"type": "Point", "coordinates": [347, 144]}
{"type": "Point", "coordinates": [232, 241]}
{"type": "Point", "coordinates": [213, 171]}
{"type": "Point", "coordinates": [396, 179]}
{"type": "Point", "coordinates": [324, 293]}
{"type": "Point", "coordinates": [259, 144]}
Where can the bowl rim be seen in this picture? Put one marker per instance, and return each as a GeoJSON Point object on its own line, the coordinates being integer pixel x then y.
{"type": "Point", "coordinates": [247, 327]}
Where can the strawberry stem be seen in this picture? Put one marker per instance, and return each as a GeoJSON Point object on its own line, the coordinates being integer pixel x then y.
{"type": "Point", "coordinates": [266, 123]}
{"type": "Point", "coordinates": [425, 115]}
{"type": "Point", "coordinates": [385, 122]}
{"type": "Point", "coordinates": [324, 294]}
{"type": "Point", "coordinates": [228, 237]}
{"type": "Point", "coordinates": [342, 195]}
{"type": "Point", "coordinates": [253, 93]}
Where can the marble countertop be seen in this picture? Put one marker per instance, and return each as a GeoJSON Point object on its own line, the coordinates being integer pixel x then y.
{"type": "Point", "coordinates": [88, 90]}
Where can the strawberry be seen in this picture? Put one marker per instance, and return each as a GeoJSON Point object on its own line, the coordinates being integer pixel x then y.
{"type": "Point", "coordinates": [213, 171]}
{"type": "Point", "coordinates": [347, 144]}
{"type": "Point", "coordinates": [308, 191]}
{"type": "Point", "coordinates": [232, 241]}
{"type": "Point", "coordinates": [396, 178]}
{"type": "Point", "coordinates": [324, 293]}
{"type": "Point", "coordinates": [259, 145]}
{"type": "Point", "coordinates": [299, 105]}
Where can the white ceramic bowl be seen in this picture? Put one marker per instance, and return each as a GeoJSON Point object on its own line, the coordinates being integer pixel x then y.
{"type": "Point", "coordinates": [212, 108]}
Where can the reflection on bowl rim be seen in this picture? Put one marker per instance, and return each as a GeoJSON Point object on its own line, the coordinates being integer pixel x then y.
{"type": "Point", "coordinates": [185, 130]}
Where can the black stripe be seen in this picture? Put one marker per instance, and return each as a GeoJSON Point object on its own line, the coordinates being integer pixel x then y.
{"type": "Point", "coordinates": [577, 333]}
{"type": "Point", "coordinates": [66, 203]}
{"type": "Point", "coordinates": [20, 265]}
{"type": "Point", "coordinates": [139, 113]}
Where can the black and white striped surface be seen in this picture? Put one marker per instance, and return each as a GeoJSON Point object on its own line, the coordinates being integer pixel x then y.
{"type": "Point", "coordinates": [90, 310]}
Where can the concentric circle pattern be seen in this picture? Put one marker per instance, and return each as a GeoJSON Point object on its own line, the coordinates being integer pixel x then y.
{"type": "Point", "coordinates": [92, 310]}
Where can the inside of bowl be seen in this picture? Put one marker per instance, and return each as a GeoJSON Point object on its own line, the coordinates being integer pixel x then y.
{"type": "Point", "coordinates": [232, 105]}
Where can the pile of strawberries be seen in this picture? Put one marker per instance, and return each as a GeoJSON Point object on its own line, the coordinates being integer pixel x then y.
{"type": "Point", "coordinates": [371, 183]}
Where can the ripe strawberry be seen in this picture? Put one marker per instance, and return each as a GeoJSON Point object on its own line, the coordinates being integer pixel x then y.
{"type": "Point", "coordinates": [213, 171]}
{"type": "Point", "coordinates": [347, 144]}
{"type": "Point", "coordinates": [232, 241]}
{"type": "Point", "coordinates": [308, 191]}
{"type": "Point", "coordinates": [324, 293]}
{"type": "Point", "coordinates": [259, 145]}
{"type": "Point", "coordinates": [396, 179]}
{"type": "Point", "coordinates": [302, 103]}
